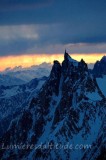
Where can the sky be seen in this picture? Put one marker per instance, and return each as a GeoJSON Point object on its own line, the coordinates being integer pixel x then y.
{"type": "Point", "coordinates": [43, 28]}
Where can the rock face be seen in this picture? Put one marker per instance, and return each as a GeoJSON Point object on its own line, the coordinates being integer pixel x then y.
{"type": "Point", "coordinates": [66, 120]}
{"type": "Point", "coordinates": [100, 67]}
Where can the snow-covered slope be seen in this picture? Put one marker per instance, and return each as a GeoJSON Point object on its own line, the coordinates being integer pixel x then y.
{"type": "Point", "coordinates": [15, 98]}
{"type": "Point", "coordinates": [102, 84]}
{"type": "Point", "coordinates": [7, 80]}
{"type": "Point", "coordinates": [100, 67]}
{"type": "Point", "coordinates": [99, 71]}
{"type": "Point", "coordinates": [67, 117]}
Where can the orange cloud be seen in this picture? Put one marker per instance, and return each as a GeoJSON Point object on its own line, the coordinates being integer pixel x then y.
{"type": "Point", "coordinates": [36, 59]}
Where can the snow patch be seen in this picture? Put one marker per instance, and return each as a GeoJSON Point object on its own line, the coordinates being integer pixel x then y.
{"type": "Point", "coordinates": [93, 96]}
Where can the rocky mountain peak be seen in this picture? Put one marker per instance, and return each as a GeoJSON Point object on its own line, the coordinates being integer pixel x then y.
{"type": "Point", "coordinates": [83, 65]}
{"type": "Point", "coordinates": [66, 56]}
{"type": "Point", "coordinates": [68, 64]}
{"type": "Point", "coordinates": [100, 67]}
{"type": "Point", "coordinates": [56, 70]}
{"type": "Point", "coordinates": [56, 64]}
{"type": "Point", "coordinates": [103, 59]}
{"type": "Point", "coordinates": [68, 59]}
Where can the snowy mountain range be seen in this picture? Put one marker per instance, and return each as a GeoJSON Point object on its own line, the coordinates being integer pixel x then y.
{"type": "Point", "coordinates": [19, 75]}
{"type": "Point", "coordinates": [13, 98]}
{"type": "Point", "coordinates": [68, 113]}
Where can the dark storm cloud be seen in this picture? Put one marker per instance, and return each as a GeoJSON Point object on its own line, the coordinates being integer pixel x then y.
{"type": "Point", "coordinates": [6, 5]}
{"type": "Point", "coordinates": [71, 11]}
{"type": "Point", "coordinates": [59, 22]}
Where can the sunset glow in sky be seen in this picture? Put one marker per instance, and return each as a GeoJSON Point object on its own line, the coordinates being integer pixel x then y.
{"type": "Point", "coordinates": [36, 59]}
{"type": "Point", "coordinates": [50, 26]}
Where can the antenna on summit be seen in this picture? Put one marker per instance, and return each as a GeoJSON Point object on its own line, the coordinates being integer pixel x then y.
{"type": "Point", "coordinates": [66, 55]}
{"type": "Point", "coordinates": [65, 51]}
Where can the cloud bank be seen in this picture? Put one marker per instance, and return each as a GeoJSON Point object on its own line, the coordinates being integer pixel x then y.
{"type": "Point", "coordinates": [50, 26]}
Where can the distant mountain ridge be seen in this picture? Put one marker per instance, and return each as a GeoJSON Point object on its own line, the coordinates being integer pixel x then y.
{"type": "Point", "coordinates": [19, 75]}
